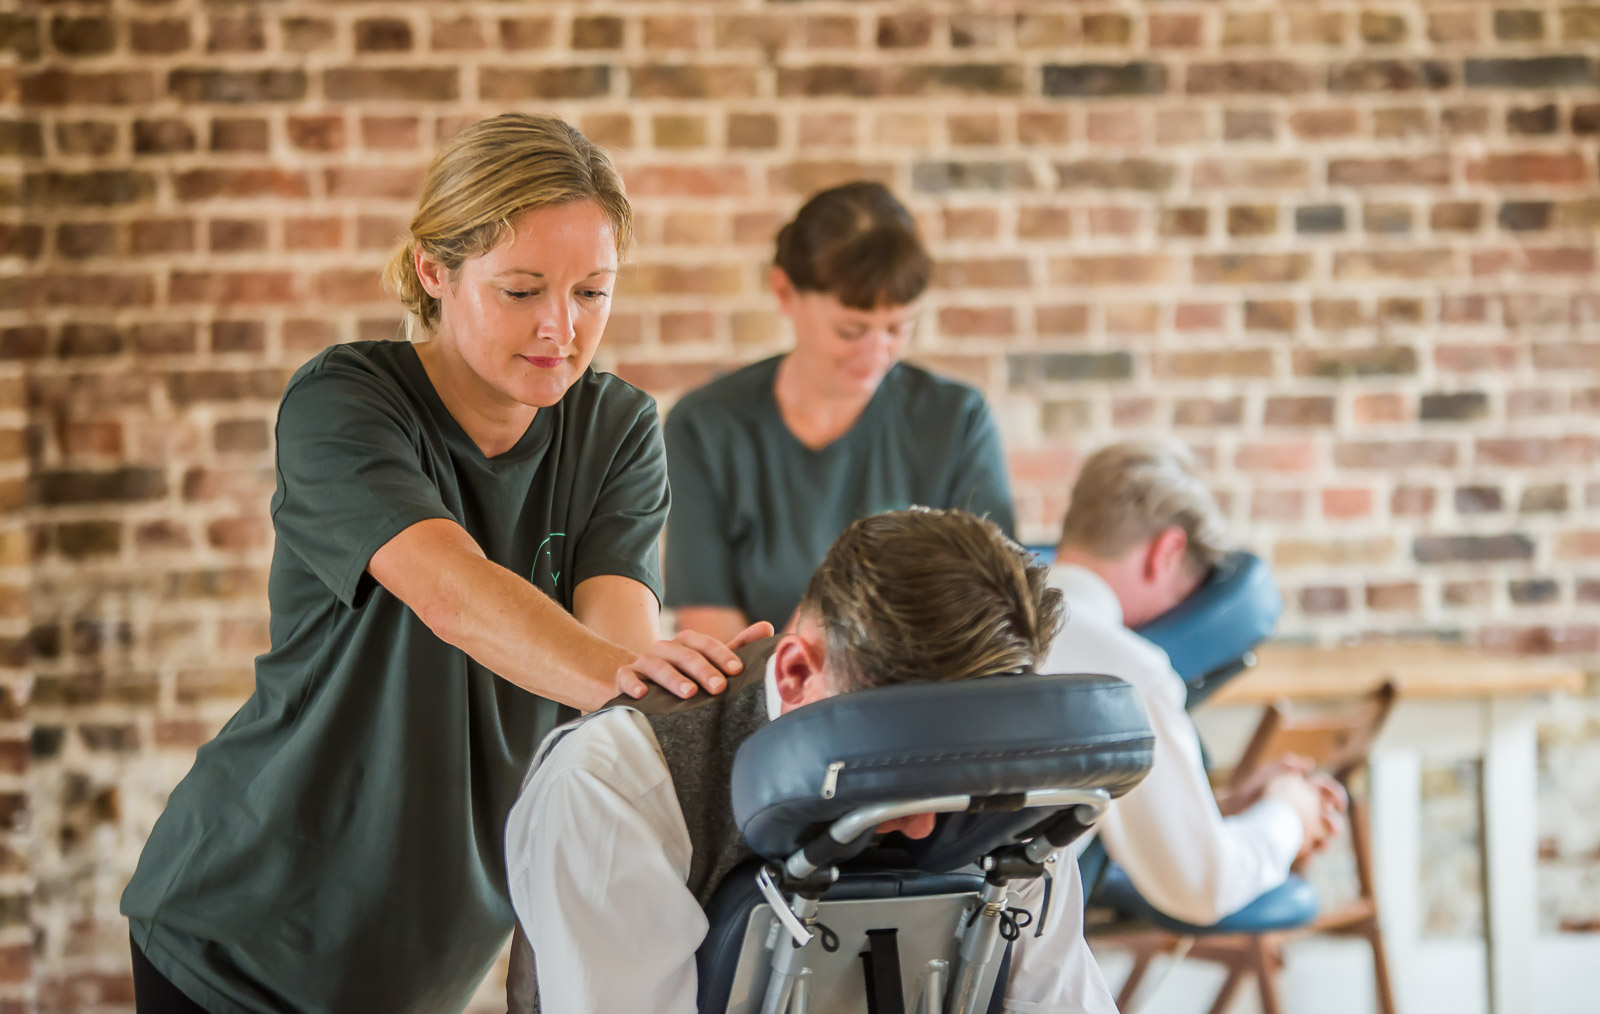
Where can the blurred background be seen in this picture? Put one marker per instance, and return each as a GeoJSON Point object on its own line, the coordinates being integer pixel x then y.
{"type": "Point", "coordinates": [1344, 250]}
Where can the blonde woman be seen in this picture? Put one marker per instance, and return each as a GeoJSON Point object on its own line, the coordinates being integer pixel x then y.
{"type": "Point", "coordinates": [466, 532]}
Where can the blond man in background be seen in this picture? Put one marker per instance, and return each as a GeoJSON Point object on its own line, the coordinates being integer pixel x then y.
{"type": "Point", "coordinates": [1141, 534]}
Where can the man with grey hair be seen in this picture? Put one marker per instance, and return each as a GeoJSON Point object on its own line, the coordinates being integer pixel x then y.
{"type": "Point", "coordinates": [1141, 533]}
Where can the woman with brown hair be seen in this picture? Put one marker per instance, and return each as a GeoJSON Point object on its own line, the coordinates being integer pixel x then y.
{"type": "Point", "coordinates": [770, 463]}
{"type": "Point", "coordinates": [465, 556]}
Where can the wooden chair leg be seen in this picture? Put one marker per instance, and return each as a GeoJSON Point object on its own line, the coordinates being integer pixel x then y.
{"type": "Point", "coordinates": [1380, 968]}
{"type": "Point", "coordinates": [1264, 950]}
{"type": "Point", "coordinates": [1142, 955]}
{"type": "Point", "coordinates": [1230, 986]}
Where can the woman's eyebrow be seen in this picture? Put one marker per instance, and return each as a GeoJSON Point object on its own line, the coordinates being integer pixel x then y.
{"type": "Point", "coordinates": [540, 274]}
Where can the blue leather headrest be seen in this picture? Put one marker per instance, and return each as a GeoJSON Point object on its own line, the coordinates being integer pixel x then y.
{"type": "Point", "coordinates": [983, 737]}
{"type": "Point", "coordinates": [1235, 609]}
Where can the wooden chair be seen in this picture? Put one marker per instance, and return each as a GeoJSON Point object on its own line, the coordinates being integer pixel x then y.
{"type": "Point", "coordinates": [1337, 741]}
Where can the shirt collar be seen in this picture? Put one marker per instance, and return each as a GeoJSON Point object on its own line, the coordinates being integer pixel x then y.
{"type": "Point", "coordinates": [1086, 592]}
{"type": "Point", "coordinates": [774, 702]}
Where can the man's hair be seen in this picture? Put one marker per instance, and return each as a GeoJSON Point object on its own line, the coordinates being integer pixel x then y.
{"type": "Point", "coordinates": [928, 595]}
{"type": "Point", "coordinates": [1129, 491]}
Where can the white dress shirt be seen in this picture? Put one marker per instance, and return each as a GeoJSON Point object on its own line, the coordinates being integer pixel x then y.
{"type": "Point", "coordinates": [1181, 854]}
{"type": "Point", "coordinates": [597, 854]}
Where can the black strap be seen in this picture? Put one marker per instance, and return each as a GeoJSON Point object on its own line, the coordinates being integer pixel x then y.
{"type": "Point", "coordinates": [881, 962]}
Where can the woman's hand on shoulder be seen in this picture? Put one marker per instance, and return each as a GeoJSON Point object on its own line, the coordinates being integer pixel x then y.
{"type": "Point", "coordinates": [687, 662]}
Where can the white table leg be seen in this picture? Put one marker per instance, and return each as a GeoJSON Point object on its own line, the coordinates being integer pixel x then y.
{"type": "Point", "coordinates": [1509, 829]}
{"type": "Point", "coordinates": [1397, 862]}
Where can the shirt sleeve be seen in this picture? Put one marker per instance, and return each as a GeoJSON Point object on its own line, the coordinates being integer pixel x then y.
{"type": "Point", "coordinates": [623, 534]}
{"type": "Point", "coordinates": [597, 867]}
{"type": "Point", "coordinates": [980, 484]}
{"type": "Point", "coordinates": [1178, 850]}
{"type": "Point", "coordinates": [1053, 971]}
{"type": "Point", "coordinates": [350, 475]}
{"type": "Point", "coordinates": [700, 557]}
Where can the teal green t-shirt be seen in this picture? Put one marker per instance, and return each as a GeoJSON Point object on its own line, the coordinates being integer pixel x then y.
{"type": "Point", "coordinates": [755, 510]}
{"type": "Point", "coordinates": [340, 845]}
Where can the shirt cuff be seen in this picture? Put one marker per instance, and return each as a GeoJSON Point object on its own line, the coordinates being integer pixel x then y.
{"type": "Point", "coordinates": [1279, 826]}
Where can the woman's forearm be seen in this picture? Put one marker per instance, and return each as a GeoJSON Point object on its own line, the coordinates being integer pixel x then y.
{"type": "Point", "coordinates": [504, 623]}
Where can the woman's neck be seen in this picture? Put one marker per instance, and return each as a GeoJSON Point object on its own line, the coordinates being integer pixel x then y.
{"type": "Point", "coordinates": [491, 420]}
{"type": "Point", "coordinates": [816, 416]}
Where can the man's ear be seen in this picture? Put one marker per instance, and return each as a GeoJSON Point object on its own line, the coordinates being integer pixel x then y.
{"type": "Point", "coordinates": [1168, 553]}
{"type": "Point", "coordinates": [797, 667]}
{"type": "Point", "coordinates": [783, 289]}
{"type": "Point", "coordinates": [435, 276]}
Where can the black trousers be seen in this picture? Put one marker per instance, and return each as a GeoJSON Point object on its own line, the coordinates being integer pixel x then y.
{"type": "Point", "coordinates": [153, 994]}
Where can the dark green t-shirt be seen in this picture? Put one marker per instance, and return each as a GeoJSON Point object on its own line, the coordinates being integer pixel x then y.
{"type": "Point", "coordinates": [755, 510]}
{"type": "Point", "coordinates": [340, 845]}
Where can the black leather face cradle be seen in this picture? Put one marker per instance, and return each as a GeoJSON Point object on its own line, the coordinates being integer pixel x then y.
{"type": "Point", "coordinates": [1017, 766]}
{"type": "Point", "coordinates": [991, 738]}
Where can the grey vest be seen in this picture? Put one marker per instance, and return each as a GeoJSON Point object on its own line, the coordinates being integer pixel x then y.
{"type": "Point", "coordinates": [698, 738]}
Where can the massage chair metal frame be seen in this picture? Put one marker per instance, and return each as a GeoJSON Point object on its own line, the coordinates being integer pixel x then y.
{"type": "Point", "coordinates": [1018, 765]}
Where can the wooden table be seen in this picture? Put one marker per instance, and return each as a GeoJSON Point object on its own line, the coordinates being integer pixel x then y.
{"type": "Point", "coordinates": [1455, 702]}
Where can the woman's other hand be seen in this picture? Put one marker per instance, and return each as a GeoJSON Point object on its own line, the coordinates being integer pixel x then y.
{"type": "Point", "coordinates": [687, 662]}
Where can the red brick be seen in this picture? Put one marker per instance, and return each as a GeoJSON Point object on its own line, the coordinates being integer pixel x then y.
{"type": "Point", "coordinates": [304, 233]}
{"type": "Point", "coordinates": [231, 287]}
{"type": "Point", "coordinates": [1321, 124]}
{"type": "Point", "coordinates": [1254, 77]}
{"type": "Point", "coordinates": [1111, 270]}
{"type": "Point", "coordinates": [977, 322]}
{"type": "Point", "coordinates": [999, 273]}
{"type": "Point", "coordinates": [396, 183]}
{"type": "Point", "coordinates": [1346, 502]}
{"type": "Point", "coordinates": [687, 181]}
{"type": "Point", "coordinates": [1208, 412]}
{"type": "Point", "coordinates": [1300, 456]}
{"type": "Point", "coordinates": [1277, 505]}
{"type": "Point", "coordinates": [1251, 268]}
{"type": "Point", "coordinates": [1252, 174]}
{"type": "Point", "coordinates": [1175, 31]}
{"type": "Point", "coordinates": [1395, 454]}
{"type": "Point", "coordinates": [1409, 264]}
{"type": "Point", "coordinates": [676, 131]}
{"type": "Point", "coordinates": [1199, 316]}
{"type": "Point", "coordinates": [1061, 320]}
{"type": "Point", "coordinates": [971, 223]}
{"type": "Point", "coordinates": [205, 184]}
{"type": "Point", "coordinates": [1123, 127]}
{"type": "Point", "coordinates": [1132, 318]}
{"type": "Point", "coordinates": [684, 279]}
{"type": "Point", "coordinates": [681, 328]}
{"type": "Point", "coordinates": [1422, 170]}
{"type": "Point", "coordinates": [1461, 25]}
{"type": "Point", "coordinates": [1227, 363]}
{"type": "Point", "coordinates": [1386, 407]}
{"type": "Point", "coordinates": [1412, 501]}
{"type": "Point", "coordinates": [693, 81]}
{"type": "Point", "coordinates": [1574, 639]}
{"type": "Point", "coordinates": [1324, 599]}
{"type": "Point", "coordinates": [317, 133]}
{"type": "Point", "coordinates": [455, 34]}
{"type": "Point", "coordinates": [670, 32]}
{"type": "Point", "coordinates": [408, 84]}
{"type": "Point", "coordinates": [1530, 167]}
{"type": "Point", "coordinates": [1402, 597]}
{"type": "Point", "coordinates": [1536, 452]}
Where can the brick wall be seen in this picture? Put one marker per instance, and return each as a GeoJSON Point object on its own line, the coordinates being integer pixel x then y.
{"type": "Point", "coordinates": [1346, 250]}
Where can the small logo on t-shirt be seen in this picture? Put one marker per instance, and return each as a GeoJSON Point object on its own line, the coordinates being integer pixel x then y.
{"type": "Point", "coordinates": [544, 561]}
